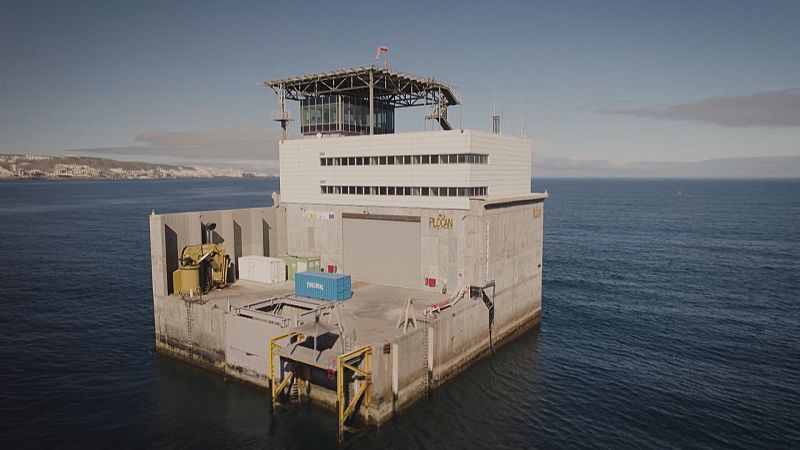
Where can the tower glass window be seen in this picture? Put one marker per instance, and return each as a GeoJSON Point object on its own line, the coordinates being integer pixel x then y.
{"type": "Point", "coordinates": [341, 114]}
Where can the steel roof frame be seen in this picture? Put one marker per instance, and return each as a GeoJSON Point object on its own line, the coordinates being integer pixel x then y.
{"type": "Point", "coordinates": [393, 87]}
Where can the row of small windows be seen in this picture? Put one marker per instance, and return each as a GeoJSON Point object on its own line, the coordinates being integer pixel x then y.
{"type": "Point", "coordinates": [406, 190]}
{"type": "Point", "coordinates": [456, 158]}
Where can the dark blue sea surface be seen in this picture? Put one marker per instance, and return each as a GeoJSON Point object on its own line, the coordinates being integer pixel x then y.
{"type": "Point", "coordinates": [671, 320]}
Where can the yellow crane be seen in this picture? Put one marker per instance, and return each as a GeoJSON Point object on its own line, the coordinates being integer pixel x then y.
{"type": "Point", "coordinates": [201, 267]}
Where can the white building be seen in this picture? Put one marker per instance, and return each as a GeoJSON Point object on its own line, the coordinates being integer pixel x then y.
{"type": "Point", "coordinates": [440, 169]}
{"type": "Point", "coordinates": [357, 194]}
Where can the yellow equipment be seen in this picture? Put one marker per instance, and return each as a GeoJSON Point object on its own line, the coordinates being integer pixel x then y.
{"type": "Point", "coordinates": [203, 265]}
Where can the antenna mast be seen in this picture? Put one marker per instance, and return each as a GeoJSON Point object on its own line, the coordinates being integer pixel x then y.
{"type": "Point", "coordinates": [495, 117]}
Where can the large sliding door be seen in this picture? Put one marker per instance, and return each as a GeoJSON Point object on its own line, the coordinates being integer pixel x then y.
{"type": "Point", "coordinates": [382, 249]}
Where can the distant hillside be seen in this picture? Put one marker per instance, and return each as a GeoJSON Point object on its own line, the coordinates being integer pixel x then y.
{"type": "Point", "coordinates": [45, 166]}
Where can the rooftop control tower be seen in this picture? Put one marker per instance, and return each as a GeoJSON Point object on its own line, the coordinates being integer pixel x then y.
{"type": "Point", "coordinates": [361, 100]}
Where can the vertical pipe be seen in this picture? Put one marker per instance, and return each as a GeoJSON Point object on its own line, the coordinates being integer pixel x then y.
{"type": "Point", "coordinates": [368, 391]}
{"type": "Point", "coordinates": [395, 370]}
{"type": "Point", "coordinates": [282, 99]}
{"type": "Point", "coordinates": [340, 395]}
{"type": "Point", "coordinates": [425, 112]}
{"type": "Point", "coordinates": [371, 102]}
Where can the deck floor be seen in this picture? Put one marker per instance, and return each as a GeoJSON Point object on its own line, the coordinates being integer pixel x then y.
{"type": "Point", "coordinates": [373, 312]}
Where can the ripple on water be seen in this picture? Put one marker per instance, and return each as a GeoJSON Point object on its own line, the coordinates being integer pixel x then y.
{"type": "Point", "coordinates": [667, 322]}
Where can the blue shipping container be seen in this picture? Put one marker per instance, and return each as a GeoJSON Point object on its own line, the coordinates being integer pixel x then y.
{"type": "Point", "coordinates": [322, 285]}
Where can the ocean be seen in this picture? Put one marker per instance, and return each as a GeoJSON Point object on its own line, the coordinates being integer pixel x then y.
{"type": "Point", "coordinates": [671, 319]}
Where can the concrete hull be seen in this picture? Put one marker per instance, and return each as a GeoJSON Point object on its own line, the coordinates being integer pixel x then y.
{"type": "Point", "coordinates": [495, 240]}
{"type": "Point", "coordinates": [383, 408]}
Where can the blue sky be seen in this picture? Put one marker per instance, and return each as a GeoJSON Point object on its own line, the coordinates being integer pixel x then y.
{"type": "Point", "coordinates": [600, 81]}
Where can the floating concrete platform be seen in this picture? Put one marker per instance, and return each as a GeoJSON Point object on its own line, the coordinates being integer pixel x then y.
{"type": "Point", "coordinates": [377, 353]}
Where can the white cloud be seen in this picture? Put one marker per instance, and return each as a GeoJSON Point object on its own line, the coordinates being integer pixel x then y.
{"type": "Point", "coordinates": [232, 144]}
{"type": "Point", "coordinates": [202, 112]}
{"type": "Point", "coordinates": [764, 109]}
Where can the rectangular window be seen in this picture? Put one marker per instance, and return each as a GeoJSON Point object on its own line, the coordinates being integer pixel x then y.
{"type": "Point", "coordinates": [408, 190]}
{"type": "Point", "coordinates": [359, 190]}
{"type": "Point", "coordinates": [398, 190]}
{"type": "Point", "coordinates": [462, 158]}
{"type": "Point", "coordinates": [398, 160]}
{"type": "Point", "coordinates": [391, 190]}
{"type": "Point", "coordinates": [407, 159]}
{"type": "Point", "coordinates": [359, 161]}
{"type": "Point", "coordinates": [426, 191]}
{"type": "Point", "coordinates": [383, 190]}
{"type": "Point", "coordinates": [351, 161]}
{"type": "Point", "coordinates": [352, 189]}
{"type": "Point", "coordinates": [415, 159]}
{"type": "Point", "coordinates": [451, 192]}
{"type": "Point", "coordinates": [373, 161]}
{"type": "Point", "coordinates": [415, 191]}
{"type": "Point", "coordinates": [323, 162]}
{"type": "Point", "coordinates": [462, 192]}
{"type": "Point", "coordinates": [426, 159]}
{"type": "Point", "coordinates": [382, 160]}
{"type": "Point", "coordinates": [434, 159]}
{"type": "Point", "coordinates": [444, 159]}
{"type": "Point", "coordinates": [435, 191]}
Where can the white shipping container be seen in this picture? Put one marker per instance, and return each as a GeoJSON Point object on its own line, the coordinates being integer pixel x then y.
{"type": "Point", "coordinates": [262, 269]}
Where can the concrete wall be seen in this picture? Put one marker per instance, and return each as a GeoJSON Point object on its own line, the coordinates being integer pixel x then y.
{"type": "Point", "coordinates": [511, 254]}
{"type": "Point", "coordinates": [246, 350]}
{"type": "Point", "coordinates": [316, 230]}
{"type": "Point", "coordinates": [509, 168]}
{"type": "Point", "coordinates": [241, 232]}
{"type": "Point", "coordinates": [507, 173]}
{"type": "Point", "coordinates": [189, 331]}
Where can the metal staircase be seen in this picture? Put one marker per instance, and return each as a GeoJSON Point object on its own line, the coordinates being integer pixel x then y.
{"type": "Point", "coordinates": [426, 370]}
{"type": "Point", "coordinates": [439, 114]}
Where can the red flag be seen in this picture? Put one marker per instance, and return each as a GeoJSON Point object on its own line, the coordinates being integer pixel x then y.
{"type": "Point", "coordinates": [381, 49]}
